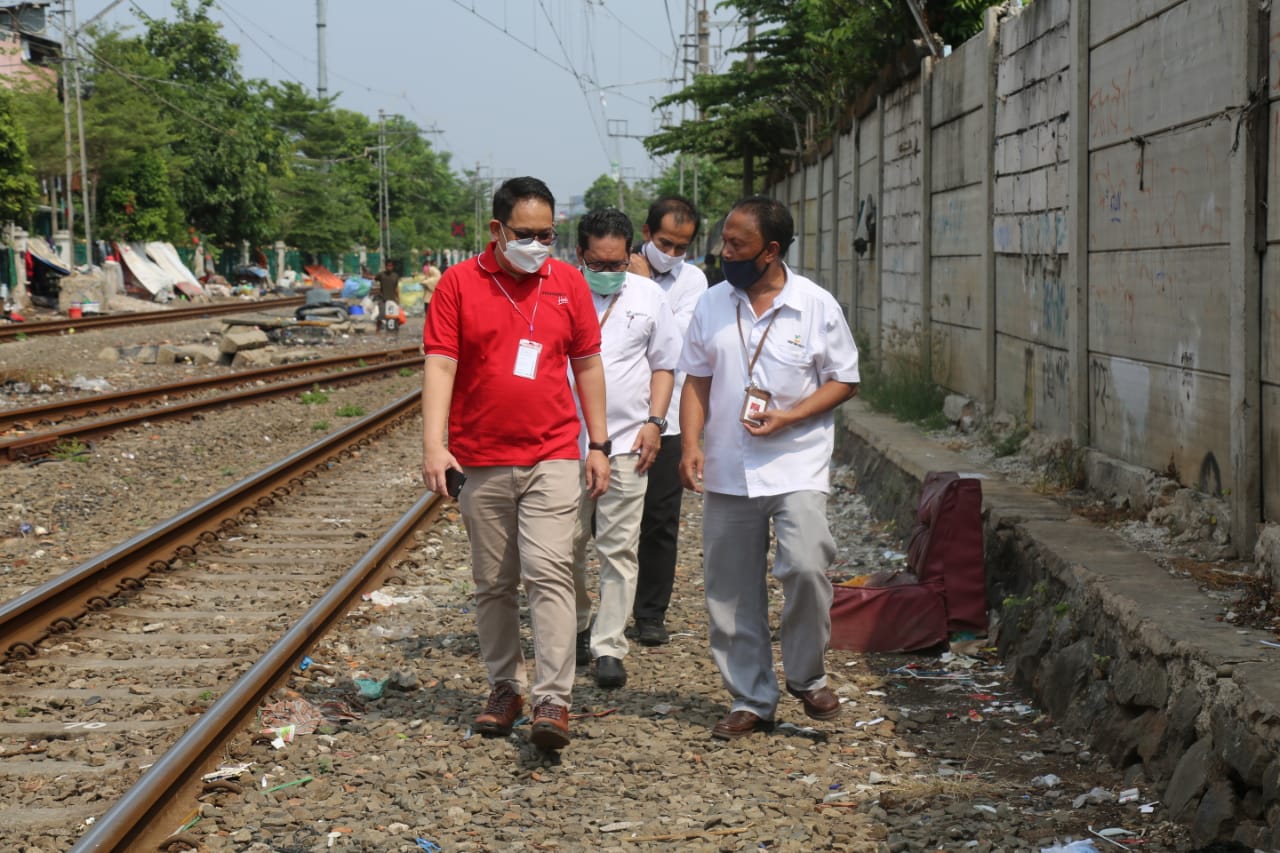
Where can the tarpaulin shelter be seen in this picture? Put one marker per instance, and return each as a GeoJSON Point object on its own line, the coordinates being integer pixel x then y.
{"type": "Point", "coordinates": [324, 278]}
{"type": "Point", "coordinates": [165, 256]}
{"type": "Point", "coordinates": [44, 253]}
{"type": "Point", "coordinates": [142, 273]}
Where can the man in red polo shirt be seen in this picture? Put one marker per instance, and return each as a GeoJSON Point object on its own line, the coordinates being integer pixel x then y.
{"type": "Point", "coordinates": [501, 329]}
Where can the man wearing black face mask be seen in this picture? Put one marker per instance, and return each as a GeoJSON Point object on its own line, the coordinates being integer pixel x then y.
{"type": "Point", "coordinates": [768, 359]}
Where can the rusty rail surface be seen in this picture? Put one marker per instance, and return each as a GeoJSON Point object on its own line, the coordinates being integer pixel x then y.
{"type": "Point", "coordinates": [96, 404]}
{"type": "Point", "coordinates": [143, 818]}
{"type": "Point", "coordinates": [13, 331]}
{"type": "Point", "coordinates": [40, 443]}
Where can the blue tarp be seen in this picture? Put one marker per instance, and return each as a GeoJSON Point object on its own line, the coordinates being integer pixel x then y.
{"type": "Point", "coordinates": [356, 288]}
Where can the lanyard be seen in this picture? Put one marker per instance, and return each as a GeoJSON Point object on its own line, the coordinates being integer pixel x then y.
{"type": "Point", "coordinates": [751, 363]}
{"type": "Point", "coordinates": [530, 319]}
{"type": "Point", "coordinates": [609, 310]}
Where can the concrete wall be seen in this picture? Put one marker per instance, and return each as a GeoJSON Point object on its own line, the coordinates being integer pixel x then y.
{"type": "Point", "coordinates": [1070, 207]}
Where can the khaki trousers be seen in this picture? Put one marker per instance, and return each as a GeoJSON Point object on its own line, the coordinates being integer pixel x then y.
{"type": "Point", "coordinates": [520, 522]}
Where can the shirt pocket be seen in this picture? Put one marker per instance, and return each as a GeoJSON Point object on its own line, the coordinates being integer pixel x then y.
{"type": "Point", "coordinates": [790, 345]}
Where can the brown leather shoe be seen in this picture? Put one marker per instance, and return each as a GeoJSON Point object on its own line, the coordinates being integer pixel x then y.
{"type": "Point", "coordinates": [740, 724]}
{"type": "Point", "coordinates": [550, 729]}
{"type": "Point", "coordinates": [500, 712]}
{"type": "Point", "coordinates": [819, 704]}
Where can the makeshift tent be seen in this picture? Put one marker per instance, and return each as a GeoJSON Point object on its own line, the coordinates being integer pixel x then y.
{"type": "Point", "coordinates": [43, 252]}
{"type": "Point", "coordinates": [165, 256]}
{"type": "Point", "coordinates": [324, 278]}
{"type": "Point", "coordinates": [144, 274]}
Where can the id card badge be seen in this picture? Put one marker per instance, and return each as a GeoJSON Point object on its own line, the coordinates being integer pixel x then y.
{"type": "Point", "coordinates": [757, 400]}
{"type": "Point", "coordinates": [527, 359]}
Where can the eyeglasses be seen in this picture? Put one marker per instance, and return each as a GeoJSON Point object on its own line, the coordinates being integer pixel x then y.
{"type": "Point", "coordinates": [606, 266]}
{"type": "Point", "coordinates": [545, 237]}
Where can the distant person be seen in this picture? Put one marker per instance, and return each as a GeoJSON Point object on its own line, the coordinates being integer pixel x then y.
{"type": "Point", "coordinates": [386, 288]}
{"type": "Point", "coordinates": [640, 345]}
{"type": "Point", "coordinates": [768, 358]}
{"type": "Point", "coordinates": [714, 273]}
{"type": "Point", "coordinates": [503, 331]}
{"type": "Point", "coordinates": [669, 230]}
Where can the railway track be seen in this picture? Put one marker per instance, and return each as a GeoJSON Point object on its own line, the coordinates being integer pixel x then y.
{"type": "Point", "coordinates": [143, 658]}
{"type": "Point", "coordinates": [19, 331]}
{"type": "Point", "coordinates": [157, 402]}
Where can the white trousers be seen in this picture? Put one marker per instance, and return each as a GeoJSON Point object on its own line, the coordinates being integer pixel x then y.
{"type": "Point", "coordinates": [617, 515]}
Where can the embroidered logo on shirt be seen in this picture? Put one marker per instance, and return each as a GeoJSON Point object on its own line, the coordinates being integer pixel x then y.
{"type": "Point", "coordinates": [561, 298]}
{"type": "Point", "coordinates": [795, 341]}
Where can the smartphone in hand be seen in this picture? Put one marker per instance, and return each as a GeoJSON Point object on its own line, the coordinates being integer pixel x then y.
{"type": "Point", "coordinates": [453, 482]}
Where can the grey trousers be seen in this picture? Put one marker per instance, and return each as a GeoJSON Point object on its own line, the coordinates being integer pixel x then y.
{"type": "Point", "coordinates": [735, 543]}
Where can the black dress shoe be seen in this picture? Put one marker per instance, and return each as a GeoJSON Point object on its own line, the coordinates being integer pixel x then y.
{"type": "Point", "coordinates": [584, 647]}
{"type": "Point", "coordinates": [651, 632]}
{"type": "Point", "coordinates": [610, 672]}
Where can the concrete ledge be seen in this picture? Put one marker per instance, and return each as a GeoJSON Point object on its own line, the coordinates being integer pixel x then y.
{"type": "Point", "coordinates": [1110, 644]}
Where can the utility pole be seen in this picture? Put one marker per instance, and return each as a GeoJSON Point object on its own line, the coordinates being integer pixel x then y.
{"type": "Point", "coordinates": [748, 156]}
{"type": "Point", "coordinates": [384, 198]}
{"type": "Point", "coordinates": [322, 69]}
{"type": "Point", "coordinates": [70, 217]}
{"type": "Point", "coordinates": [84, 163]}
{"type": "Point", "coordinates": [704, 67]}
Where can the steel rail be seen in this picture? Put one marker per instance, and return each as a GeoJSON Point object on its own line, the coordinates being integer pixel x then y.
{"type": "Point", "coordinates": [58, 603]}
{"type": "Point", "coordinates": [137, 820]}
{"type": "Point", "coordinates": [17, 331]}
{"type": "Point", "coordinates": [103, 403]}
{"type": "Point", "coordinates": [38, 443]}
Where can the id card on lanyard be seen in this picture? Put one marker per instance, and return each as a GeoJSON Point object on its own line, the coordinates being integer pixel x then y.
{"type": "Point", "coordinates": [528, 351]}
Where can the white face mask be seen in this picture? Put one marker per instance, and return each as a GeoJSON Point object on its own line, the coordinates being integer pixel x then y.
{"type": "Point", "coordinates": [659, 261]}
{"type": "Point", "coordinates": [528, 256]}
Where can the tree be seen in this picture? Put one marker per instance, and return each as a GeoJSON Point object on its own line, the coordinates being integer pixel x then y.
{"type": "Point", "coordinates": [231, 146]}
{"type": "Point", "coordinates": [636, 198]}
{"type": "Point", "coordinates": [806, 62]}
{"type": "Point", "coordinates": [140, 205]}
{"type": "Point", "coordinates": [18, 190]}
{"type": "Point", "coordinates": [321, 193]}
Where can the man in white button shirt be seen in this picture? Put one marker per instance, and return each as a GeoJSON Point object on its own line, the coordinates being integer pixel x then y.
{"type": "Point", "coordinates": [640, 344]}
{"type": "Point", "coordinates": [669, 229]}
{"type": "Point", "coordinates": [768, 357]}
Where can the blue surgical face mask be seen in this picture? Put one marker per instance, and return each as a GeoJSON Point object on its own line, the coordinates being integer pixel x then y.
{"type": "Point", "coordinates": [604, 283]}
{"type": "Point", "coordinates": [742, 274]}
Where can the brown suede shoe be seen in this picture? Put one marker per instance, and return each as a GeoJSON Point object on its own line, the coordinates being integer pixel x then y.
{"type": "Point", "coordinates": [500, 712]}
{"type": "Point", "coordinates": [740, 724]}
{"type": "Point", "coordinates": [819, 704]}
{"type": "Point", "coordinates": [550, 729]}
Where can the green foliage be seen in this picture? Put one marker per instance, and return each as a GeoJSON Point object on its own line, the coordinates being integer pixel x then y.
{"type": "Point", "coordinates": [1011, 443]}
{"type": "Point", "coordinates": [70, 448]}
{"type": "Point", "coordinates": [350, 410]}
{"type": "Point", "coordinates": [18, 189]}
{"type": "Point", "coordinates": [898, 383]}
{"type": "Point", "coordinates": [405, 371]}
{"type": "Point", "coordinates": [314, 397]}
{"type": "Point", "coordinates": [808, 60]}
{"type": "Point", "coordinates": [320, 426]}
{"type": "Point", "coordinates": [141, 204]}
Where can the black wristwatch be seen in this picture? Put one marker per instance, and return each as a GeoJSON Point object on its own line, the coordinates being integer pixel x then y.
{"type": "Point", "coordinates": [605, 447]}
{"type": "Point", "coordinates": [660, 422]}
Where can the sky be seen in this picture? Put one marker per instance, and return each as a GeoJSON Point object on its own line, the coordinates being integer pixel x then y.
{"type": "Point", "coordinates": [550, 88]}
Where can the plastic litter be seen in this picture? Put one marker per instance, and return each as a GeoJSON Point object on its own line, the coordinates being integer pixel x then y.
{"type": "Point", "coordinates": [1048, 780]}
{"type": "Point", "coordinates": [1097, 795]}
{"type": "Point", "coordinates": [400, 632]}
{"type": "Point", "coordinates": [1082, 846]}
{"type": "Point", "coordinates": [429, 846]}
{"type": "Point", "coordinates": [227, 771]}
{"type": "Point", "coordinates": [1128, 795]}
{"type": "Point", "coordinates": [371, 688]}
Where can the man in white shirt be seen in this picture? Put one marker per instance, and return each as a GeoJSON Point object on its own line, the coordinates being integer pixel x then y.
{"type": "Point", "coordinates": [669, 229]}
{"type": "Point", "coordinates": [640, 345]}
{"type": "Point", "coordinates": [768, 357]}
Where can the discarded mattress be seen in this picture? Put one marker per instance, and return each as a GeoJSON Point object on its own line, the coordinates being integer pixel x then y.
{"type": "Point", "coordinates": [324, 278]}
{"type": "Point", "coordinates": [145, 274]}
{"type": "Point", "coordinates": [166, 257]}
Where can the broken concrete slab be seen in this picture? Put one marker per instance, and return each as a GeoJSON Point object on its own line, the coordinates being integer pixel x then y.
{"type": "Point", "coordinates": [252, 358]}
{"type": "Point", "coordinates": [238, 338]}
